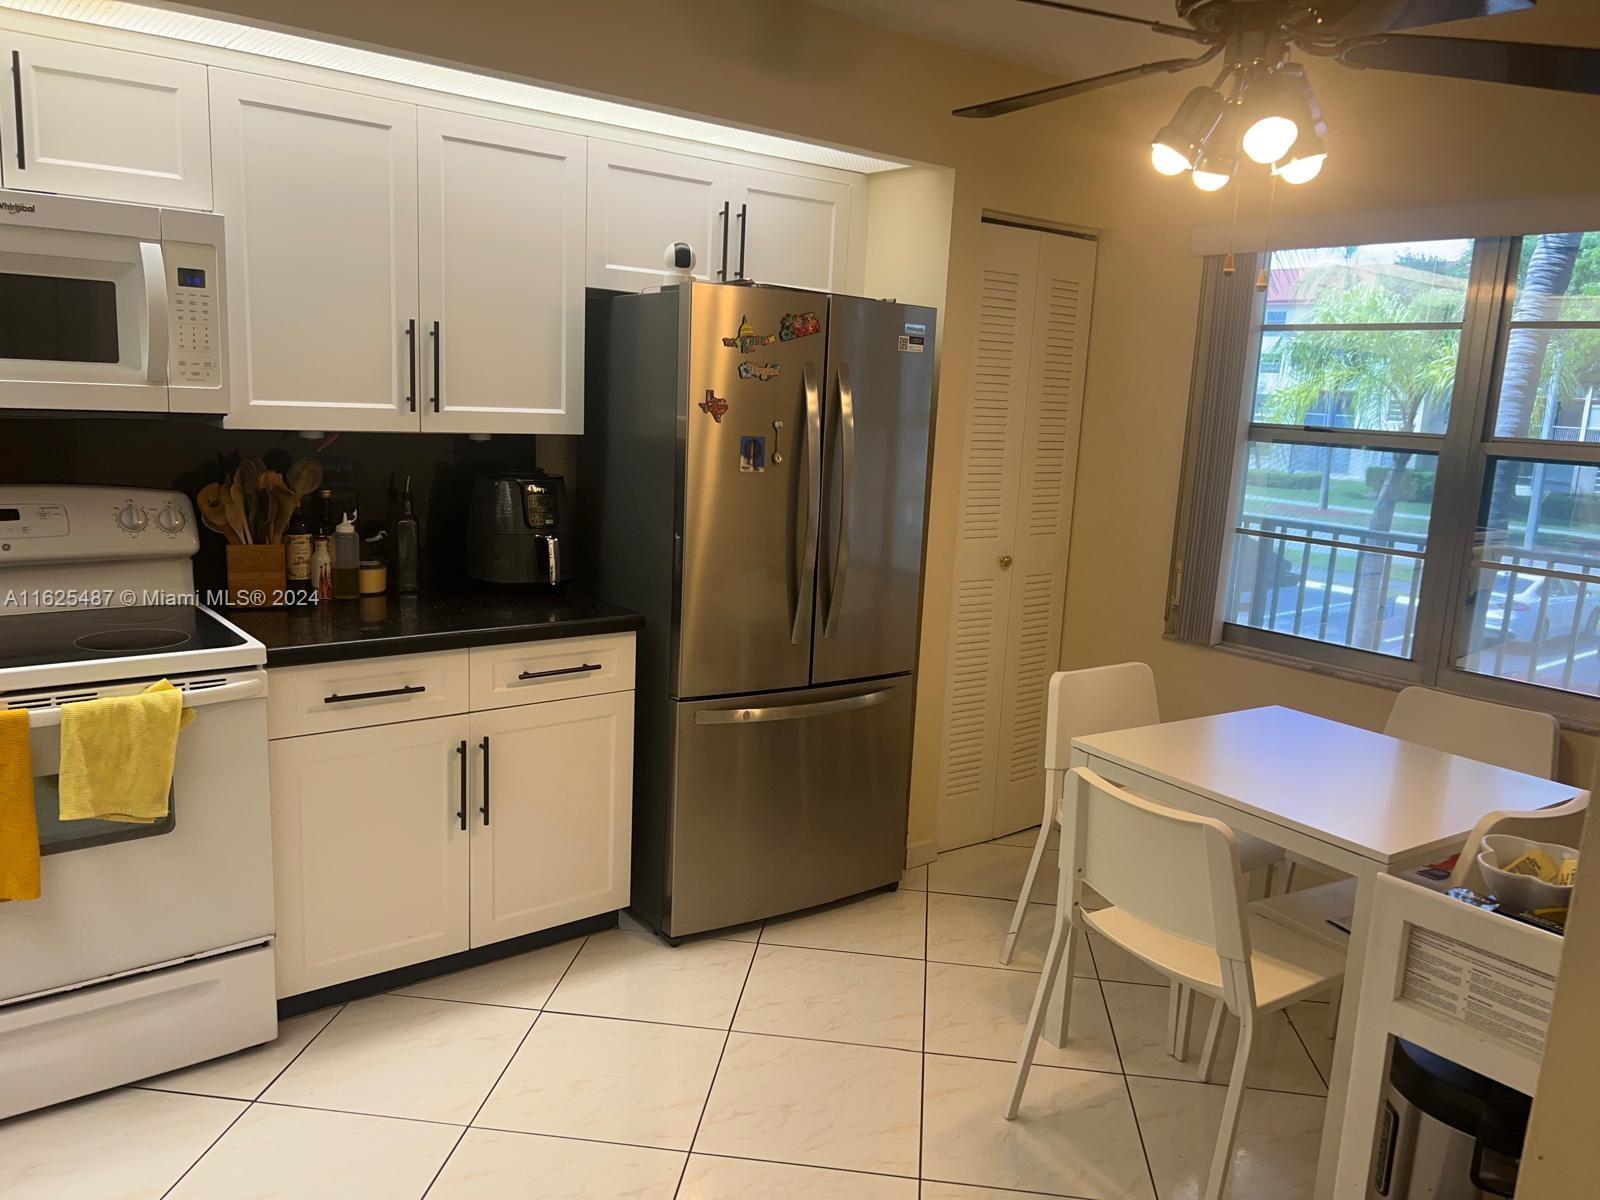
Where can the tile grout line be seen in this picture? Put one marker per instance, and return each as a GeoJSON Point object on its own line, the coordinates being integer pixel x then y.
{"type": "Point", "coordinates": [522, 1041]}
{"type": "Point", "coordinates": [721, 1054]}
{"type": "Point", "coordinates": [1300, 1037]}
{"type": "Point", "coordinates": [1127, 1088]}
{"type": "Point", "coordinates": [249, 1104]}
{"type": "Point", "coordinates": [922, 1062]}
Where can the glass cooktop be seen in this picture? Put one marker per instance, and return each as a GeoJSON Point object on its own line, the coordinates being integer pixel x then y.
{"type": "Point", "coordinates": [91, 634]}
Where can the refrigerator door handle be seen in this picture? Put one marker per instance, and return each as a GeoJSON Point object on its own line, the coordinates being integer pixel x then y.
{"type": "Point", "coordinates": [847, 487]}
{"type": "Point", "coordinates": [792, 712]}
{"type": "Point", "coordinates": [806, 582]}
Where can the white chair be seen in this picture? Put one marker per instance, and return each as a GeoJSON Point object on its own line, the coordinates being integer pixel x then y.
{"type": "Point", "coordinates": [1516, 738]}
{"type": "Point", "coordinates": [1099, 700]}
{"type": "Point", "coordinates": [1183, 913]}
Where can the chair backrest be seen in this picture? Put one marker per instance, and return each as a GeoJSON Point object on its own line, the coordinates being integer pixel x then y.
{"type": "Point", "coordinates": [1096, 700]}
{"type": "Point", "coordinates": [1562, 825]}
{"type": "Point", "coordinates": [1172, 869]}
{"type": "Point", "coordinates": [1517, 738]}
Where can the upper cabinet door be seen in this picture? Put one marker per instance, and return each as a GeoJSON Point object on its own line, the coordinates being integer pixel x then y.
{"type": "Point", "coordinates": [109, 124]}
{"type": "Point", "coordinates": [502, 271]}
{"type": "Point", "coordinates": [319, 188]}
{"type": "Point", "coordinates": [790, 230]}
{"type": "Point", "coordinates": [641, 202]}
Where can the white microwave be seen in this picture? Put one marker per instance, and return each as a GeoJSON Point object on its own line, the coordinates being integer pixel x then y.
{"type": "Point", "coordinates": [110, 307]}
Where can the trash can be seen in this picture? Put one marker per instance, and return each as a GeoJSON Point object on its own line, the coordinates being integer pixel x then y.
{"type": "Point", "coordinates": [1445, 1133]}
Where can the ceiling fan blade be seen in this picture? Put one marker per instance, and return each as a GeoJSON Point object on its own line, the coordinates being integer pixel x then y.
{"type": "Point", "coordinates": [1525, 64]}
{"type": "Point", "coordinates": [1011, 104]}
{"type": "Point", "coordinates": [1145, 22]}
{"type": "Point", "coordinates": [1351, 18]}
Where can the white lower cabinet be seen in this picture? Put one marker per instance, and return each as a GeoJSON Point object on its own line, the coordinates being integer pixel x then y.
{"type": "Point", "coordinates": [554, 816]}
{"type": "Point", "coordinates": [402, 842]}
{"type": "Point", "coordinates": [369, 858]}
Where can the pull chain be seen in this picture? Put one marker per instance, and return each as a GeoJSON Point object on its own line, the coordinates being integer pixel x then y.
{"type": "Point", "coordinates": [1261, 276]}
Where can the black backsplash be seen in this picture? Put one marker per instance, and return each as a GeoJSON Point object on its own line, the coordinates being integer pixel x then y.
{"type": "Point", "coordinates": [185, 455]}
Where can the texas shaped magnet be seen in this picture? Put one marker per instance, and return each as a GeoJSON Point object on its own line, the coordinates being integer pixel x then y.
{"type": "Point", "coordinates": [715, 405]}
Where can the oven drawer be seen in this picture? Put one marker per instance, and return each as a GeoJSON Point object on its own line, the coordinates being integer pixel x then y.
{"type": "Point", "coordinates": [370, 691]}
{"type": "Point", "coordinates": [558, 669]}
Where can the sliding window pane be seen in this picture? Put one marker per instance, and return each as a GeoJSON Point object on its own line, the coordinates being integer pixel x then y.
{"type": "Point", "coordinates": [1372, 379]}
{"type": "Point", "coordinates": [1399, 283]}
{"type": "Point", "coordinates": [1558, 278]}
{"type": "Point", "coordinates": [1330, 542]}
{"type": "Point", "coordinates": [1533, 608]}
{"type": "Point", "coordinates": [1550, 377]}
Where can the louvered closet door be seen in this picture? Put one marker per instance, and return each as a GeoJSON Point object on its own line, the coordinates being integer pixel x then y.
{"type": "Point", "coordinates": [989, 481]}
{"type": "Point", "coordinates": [1043, 521]}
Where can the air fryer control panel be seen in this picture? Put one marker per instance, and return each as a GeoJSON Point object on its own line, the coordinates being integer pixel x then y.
{"type": "Point", "coordinates": [539, 507]}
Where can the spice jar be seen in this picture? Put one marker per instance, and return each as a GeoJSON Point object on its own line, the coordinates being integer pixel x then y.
{"type": "Point", "coordinates": [374, 577]}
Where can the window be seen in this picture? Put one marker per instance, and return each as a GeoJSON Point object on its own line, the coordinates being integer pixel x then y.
{"type": "Point", "coordinates": [1412, 484]}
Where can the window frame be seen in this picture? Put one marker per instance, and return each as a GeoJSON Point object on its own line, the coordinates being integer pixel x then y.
{"type": "Point", "coordinates": [1466, 451]}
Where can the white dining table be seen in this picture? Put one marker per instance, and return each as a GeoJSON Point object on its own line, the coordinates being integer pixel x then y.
{"type": "Point", "coordinates": [1355, 802]}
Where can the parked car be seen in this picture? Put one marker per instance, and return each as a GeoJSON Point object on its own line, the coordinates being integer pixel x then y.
{"type": "Point", "coordinates": [1542, 609]}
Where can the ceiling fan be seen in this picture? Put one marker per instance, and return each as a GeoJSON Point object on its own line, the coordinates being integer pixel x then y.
{"type": "Point", "coordinates": [1262, 104]}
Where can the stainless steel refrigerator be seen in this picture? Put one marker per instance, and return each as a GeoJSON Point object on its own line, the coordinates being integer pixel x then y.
{"type": "Point", "coordinates": [754, 479]}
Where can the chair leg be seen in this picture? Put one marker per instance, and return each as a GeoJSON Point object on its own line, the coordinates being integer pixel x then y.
{"type": "Point", "coordinates": [1060, 955]}
{"type": "Point", "coordinates": [1222, 1160]}
{"type": "Point", "coordinates": [1021, 911]}
{"type": "Point", "coordinates": [1180, 1018]}
{"type": "Point", "coordinates": [1208, 1054]}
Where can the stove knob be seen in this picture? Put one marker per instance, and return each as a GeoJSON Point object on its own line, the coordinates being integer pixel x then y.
{"type": "Point", "coordinates": [131, 518]}
{"type": "Point", "coordinates": [170, 520]}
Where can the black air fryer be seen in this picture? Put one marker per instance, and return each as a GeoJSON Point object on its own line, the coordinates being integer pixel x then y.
{"type": "Point", "coordinates": [520, 530]}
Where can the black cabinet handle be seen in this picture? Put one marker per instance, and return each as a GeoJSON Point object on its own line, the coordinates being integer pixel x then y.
{"type": "Point", "coordinates": [461, 813]}
{"type": "Point", "coordinates": [438, 349]}
{"type": "Point", "coordinates": [744, 224]}
{"type": "Point", "coordinates": [16, 94]}
{"type": "Point", "coordinates": [484, 746]}
{"type": "Point", "coordinates": [559, 671]}
{"type": "Point", "coordinates": [410, 689]}
{"type": "Point", "coordinates": [722, 272]}
{"type": "Point", "coordinates": [411, 364]}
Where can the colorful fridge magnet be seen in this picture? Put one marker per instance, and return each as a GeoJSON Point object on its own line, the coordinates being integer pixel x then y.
{"type": "Point", "coordinates": [748, 339]}
{"type": "Point", "coordinates": [715, 405]}
{"type": "Point", "coordinates": [798, 325]}
{"type": "Point", "coordinates": [762, 372]}
{"type": "Point", "coordinates": [753, 455]}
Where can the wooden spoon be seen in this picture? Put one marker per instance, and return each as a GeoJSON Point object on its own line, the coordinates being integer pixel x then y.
{"type": "Point", "coordinates": [236, 512]}
{"type": "Point", "coordinates": [284, 502]}
{"type": "Point", "coordinates": [209, 502]}
{"type": "Point", "coordinates": [305, 476]}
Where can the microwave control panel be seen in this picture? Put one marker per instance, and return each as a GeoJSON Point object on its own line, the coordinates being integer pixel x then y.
{"type": "Point", "coordinates": [196, 341]}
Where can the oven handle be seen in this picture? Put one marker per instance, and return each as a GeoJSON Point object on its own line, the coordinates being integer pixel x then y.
{"type": "Point", "coordinates": [157, 308]}
{"type": "Point", "coordinates": [243, 689]}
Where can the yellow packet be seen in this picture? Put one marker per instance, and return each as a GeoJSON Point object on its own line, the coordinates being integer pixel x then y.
{"type": "Point", "coordinates": [1568, 874]}
{"type": "Point", "coordinates": [1533, 862]}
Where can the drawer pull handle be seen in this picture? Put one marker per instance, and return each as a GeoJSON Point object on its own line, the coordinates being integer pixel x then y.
{"type": "Point", "coordinates": [461, 813]}
{"type": "Point", "coordinates": [484, 746]}
{"type": "Point", "coordinates": [578, 670]}
{"type": "Point", "coordinates": [410, 689]}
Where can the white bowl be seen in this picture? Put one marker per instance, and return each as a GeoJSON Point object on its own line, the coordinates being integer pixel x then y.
{"type": "Point", "coordinates": [1522, 893]}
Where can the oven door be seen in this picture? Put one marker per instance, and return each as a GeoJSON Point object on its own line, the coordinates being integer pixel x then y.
{"type": "Point", "coordinates": [119, 899]}
{"type": "Point", "coordinates": [85, 303]}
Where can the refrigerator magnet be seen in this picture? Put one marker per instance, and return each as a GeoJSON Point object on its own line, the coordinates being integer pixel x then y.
{"type": "Point", "coordinates": [761, 372]}
{"type": "Point", "coordinates": [747, 339]}
{"type": "Point", "coordinates": [752, 455]}
{"type": "Point", "coordinates": [798, 325]}
{"type": "Point", "coordinates": [715, 405]}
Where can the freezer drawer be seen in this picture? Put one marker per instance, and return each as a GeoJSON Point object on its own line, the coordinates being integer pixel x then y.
{"type": "Point", "coordinates": [786, 800]}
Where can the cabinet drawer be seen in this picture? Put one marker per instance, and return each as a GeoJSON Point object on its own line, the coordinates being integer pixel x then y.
{"type": "Point", "coordinates": [371, 691]}
{"type": "Point", "coordinates": [554, 670]}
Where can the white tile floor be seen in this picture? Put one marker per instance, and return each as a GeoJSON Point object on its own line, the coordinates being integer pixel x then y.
{"type": "Point", "coordinates": [861, 1052]}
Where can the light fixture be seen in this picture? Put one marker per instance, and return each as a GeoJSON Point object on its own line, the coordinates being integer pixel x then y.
{"type": "Point", "coordinates": [1219, 157]}
{"type": "Point", "coordinates": [1305, 160]}
{"type": "Point", "coordinates": [1302, 168]}
{"type": "Point", "coordinates": [1177, 147]}
{"type": "Point", "coordinates": [1271, 103]}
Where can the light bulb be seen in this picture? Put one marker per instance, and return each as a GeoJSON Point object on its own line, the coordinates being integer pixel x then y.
{"type": "Point", "coordinates": [1167, 160]}
{"type": "Point", "coordinates": [1210, 181]}
{"type": "Point", "coordinates": [1270, 138]}
{"type": "Point", "coordinates": [1301, 170]}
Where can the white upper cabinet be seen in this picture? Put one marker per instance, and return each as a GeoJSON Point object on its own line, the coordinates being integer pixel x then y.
{"type": "Point", "coordinates": [502, 276]}
{"type": "Point", "coordinates": [109, 124]}
{"type": "Point", "coordinates": [792, 230]}
{"type": "Point", "coordinates": [319, 189]}
{"type": "Point", "coordinates": [641, 201]}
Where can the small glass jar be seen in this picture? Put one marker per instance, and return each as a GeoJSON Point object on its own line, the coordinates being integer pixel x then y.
{"type": "Point", "coordinates": [374, 577]}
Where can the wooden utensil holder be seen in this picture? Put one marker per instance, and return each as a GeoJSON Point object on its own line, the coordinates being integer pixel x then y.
{"type": "Point", "coordinates": [255, 576]}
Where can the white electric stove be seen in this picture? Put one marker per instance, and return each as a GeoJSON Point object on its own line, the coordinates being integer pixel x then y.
{"type": "Point", "coordinates": [150, 947]}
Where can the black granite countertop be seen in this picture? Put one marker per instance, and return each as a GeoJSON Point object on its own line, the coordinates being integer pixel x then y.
{"type": "Point", "coordinates": [374, 626]}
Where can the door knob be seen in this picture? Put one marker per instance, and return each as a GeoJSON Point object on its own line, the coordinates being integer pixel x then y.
{"type": "Point", "coordinates": [1005, 562]}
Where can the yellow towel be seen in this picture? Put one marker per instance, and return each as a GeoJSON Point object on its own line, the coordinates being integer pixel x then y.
{"type": "Point", "coordinates": [117, 755]}
{"type": "Point", "coordinates": [19, 826]}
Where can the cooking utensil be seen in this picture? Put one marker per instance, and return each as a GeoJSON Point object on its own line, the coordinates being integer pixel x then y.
{"type": "Point", "coordinates": [235, 510]}
{"type": "Point", "coordinates": [305, 476]}
{"type": "Point", "coordinates": [210, 504]}
{"type": "Point", "coordinates": [284, 502]}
